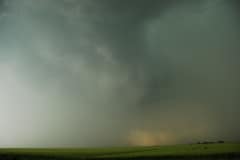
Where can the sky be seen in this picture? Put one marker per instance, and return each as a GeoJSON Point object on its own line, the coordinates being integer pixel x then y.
{"type": "Point", "coordinates": [96, 73]}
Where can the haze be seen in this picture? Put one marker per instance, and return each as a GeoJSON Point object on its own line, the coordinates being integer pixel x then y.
{"type": "Point", "coordinates": [93, 73]}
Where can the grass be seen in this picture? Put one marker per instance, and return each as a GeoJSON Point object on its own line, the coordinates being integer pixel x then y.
{"type": "Point", "coordinates": [187, 150]}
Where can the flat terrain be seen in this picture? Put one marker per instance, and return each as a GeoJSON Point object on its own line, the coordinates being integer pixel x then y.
{"type": "Point", "coordinates": [228, 150]}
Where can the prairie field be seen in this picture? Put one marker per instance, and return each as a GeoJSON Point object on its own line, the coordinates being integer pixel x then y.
{"type": "Point", "coordinates": [184, 151]}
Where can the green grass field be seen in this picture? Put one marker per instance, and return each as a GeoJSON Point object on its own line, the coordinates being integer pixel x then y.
{"type": "Point", "coordinates": [187, 150]}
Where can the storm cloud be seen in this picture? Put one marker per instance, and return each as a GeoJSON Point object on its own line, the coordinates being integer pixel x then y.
{"type": "Point", "coordinates": [80, 73]}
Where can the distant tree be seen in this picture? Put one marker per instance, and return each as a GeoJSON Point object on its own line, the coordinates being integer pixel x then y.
{"type": "Point", "coordinates": [220, 141]}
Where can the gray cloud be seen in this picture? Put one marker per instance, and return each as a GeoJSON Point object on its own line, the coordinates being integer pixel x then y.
{"type": "Point", "coordinates": [111, 72]}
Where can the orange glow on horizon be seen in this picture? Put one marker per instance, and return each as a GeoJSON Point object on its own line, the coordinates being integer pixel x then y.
{"type": "Point", "coordinates": [148, 138]}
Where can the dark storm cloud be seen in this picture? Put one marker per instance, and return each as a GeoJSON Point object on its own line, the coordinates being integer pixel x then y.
{"type": "Point", "coordinates": [132, 71]}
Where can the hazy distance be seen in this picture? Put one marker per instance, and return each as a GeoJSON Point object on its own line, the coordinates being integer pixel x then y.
{"type": "Point", "coordinates": [91, 73]}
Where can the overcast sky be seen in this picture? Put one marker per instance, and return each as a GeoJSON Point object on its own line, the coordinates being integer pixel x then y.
{"type": "Point", "coordinates": [90, 73]}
